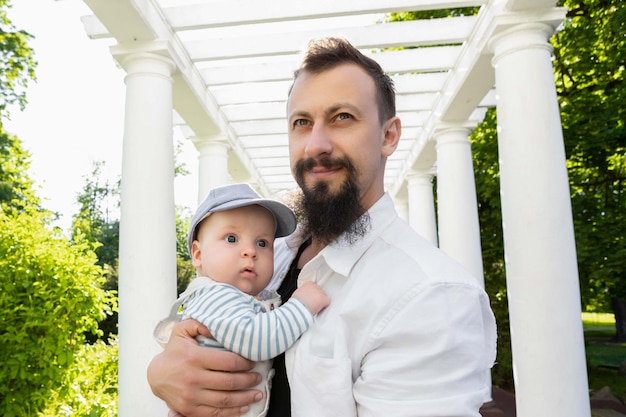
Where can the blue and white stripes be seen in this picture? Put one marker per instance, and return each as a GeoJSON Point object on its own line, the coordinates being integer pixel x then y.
{"type": "Point", "coordinates": [239, 323]}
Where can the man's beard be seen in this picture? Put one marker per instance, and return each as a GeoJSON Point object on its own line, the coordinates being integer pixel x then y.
{"type": "Point", "coordinates": [327, 215]}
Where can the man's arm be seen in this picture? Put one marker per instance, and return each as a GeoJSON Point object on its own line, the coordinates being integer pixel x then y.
{"type": "Point", "coordinates": [433, 357]}
{"type": "Point", "coordinates": [200, 382]}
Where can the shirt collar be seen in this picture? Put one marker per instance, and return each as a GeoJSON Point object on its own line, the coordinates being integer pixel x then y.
{"type": "Point", "coordinates": [341, 255]}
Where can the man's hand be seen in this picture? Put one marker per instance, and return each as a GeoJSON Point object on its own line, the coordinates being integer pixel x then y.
{"type": "Point", "coordinates": [197, 381]}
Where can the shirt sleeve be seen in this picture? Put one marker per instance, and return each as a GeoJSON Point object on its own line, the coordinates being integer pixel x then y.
{"type": "Point", "coordinates": [431, 355]}
{"type": "Point", "coordinates": [237, 322]}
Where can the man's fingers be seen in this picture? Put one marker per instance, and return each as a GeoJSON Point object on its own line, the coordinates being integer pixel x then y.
{"type": "Point", "coordinates": [224, 404]}
{"type": "Point", "coordinates": [232, 399]}
{"type": "Point", "coordinates": [200, 382]}
{"type": "Point", "coordinates": [228, 381]}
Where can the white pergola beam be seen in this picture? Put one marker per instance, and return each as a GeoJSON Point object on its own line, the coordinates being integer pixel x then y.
{"type": "Point", "coordinates": [241, 12]}
{"type": "Point", "coordinates": [434, 59]}
{"type": "Point", "coordinates": [237, 72]}
{"type": "Point", "coordinates": [242, 71]}
{"type": "Point", "coordinates": [394, 34]}
{"type": "Point", "coordinates": [255, 111]}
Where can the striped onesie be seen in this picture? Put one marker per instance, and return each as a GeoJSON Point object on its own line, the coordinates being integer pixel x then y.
{"type": "Point", "coordinates": [240, 323]}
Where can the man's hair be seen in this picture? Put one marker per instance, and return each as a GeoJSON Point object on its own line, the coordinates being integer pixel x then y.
{"type": "Point", "coordinates": [327, 53]}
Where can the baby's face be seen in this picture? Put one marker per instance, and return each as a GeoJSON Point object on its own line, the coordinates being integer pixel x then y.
{"type": "Point", "coordinates": [236, 247]}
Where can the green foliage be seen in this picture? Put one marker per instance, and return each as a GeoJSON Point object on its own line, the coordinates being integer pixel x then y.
{"type": "Point", "coordinates": [604, 357]}
{"type": "Point", "coordinates": [49, 295]}
{"type": "Point", "coordinates": [433, 14]}
{"type": "Point", "coordinates": [16, 187]}
{"type": "Point", "coordinates": [17, 68]}
{"type": "Point", "coordinates": [50, 288]}
{"type": "Point", "coordinates": [95, 225]}
{"type": "Point", "coordinates": [589, 63]}
{"type": "Point", "coordinates": [185, 272]}
{"type": "Point", "coordinates": [94, 221]}
{"type": "Point", "coordinates": [180, 168]}
{"type": "Point", "coordinates": [590, 59]}
{"type": "Point", "coordinates": [17, 65]}
{"type": "Point", "coordinates": [90, 386]}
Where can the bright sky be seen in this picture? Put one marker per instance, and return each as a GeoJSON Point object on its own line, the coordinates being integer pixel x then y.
{"type": "Point", "coordinates": [75, 111]}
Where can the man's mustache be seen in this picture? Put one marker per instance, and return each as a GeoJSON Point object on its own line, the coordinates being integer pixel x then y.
{"type": "Point", "coordinates": [324, 162]}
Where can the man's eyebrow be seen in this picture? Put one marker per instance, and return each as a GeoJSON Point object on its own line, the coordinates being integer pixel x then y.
{"type": "Point", "coordinates": [340, 106]}
{"type": "Point", "coordinates": [299, 113]}
{"type": "Point", "coordinates": [333, 108]}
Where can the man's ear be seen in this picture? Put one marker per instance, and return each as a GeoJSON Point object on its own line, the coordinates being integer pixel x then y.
{"type": "Point", "coordinates": [392, 132]}
{"type": "Point", "coordinates": [196, 253]}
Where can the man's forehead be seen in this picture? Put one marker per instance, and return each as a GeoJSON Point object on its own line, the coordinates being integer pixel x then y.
{"type": "Point", "coordinates": [342, 79]}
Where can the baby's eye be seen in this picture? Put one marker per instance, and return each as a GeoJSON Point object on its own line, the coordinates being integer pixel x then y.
{"type": "Point", "coordinates": [262, 243]}
{"type": "Point", "coordinates": [231, 238]}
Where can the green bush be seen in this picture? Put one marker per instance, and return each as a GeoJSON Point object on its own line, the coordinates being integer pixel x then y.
{"type": "Point", "coordinates": [90, 386]}
{"type": "Point", "coordinates": [50, 295]}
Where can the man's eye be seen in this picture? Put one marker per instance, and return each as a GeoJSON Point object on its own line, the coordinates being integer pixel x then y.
{"type": "Point", "coordinates": [231, 239]}
{"type": "Point", "coordinates": [300, 122]}
{"type": "Point", "coordinates": [344, 116]}
{"type": "Point", "coordinates": [262, 243]}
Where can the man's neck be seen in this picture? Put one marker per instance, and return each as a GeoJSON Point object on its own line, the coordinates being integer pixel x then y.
{"type": "Point", "coordinates": [310, 252]}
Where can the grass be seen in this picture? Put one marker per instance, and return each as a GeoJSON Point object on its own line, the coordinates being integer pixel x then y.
{"type": "Point", "coordinates": [595, 320]}
{"type": "Point", "coordinates": [604, 355]}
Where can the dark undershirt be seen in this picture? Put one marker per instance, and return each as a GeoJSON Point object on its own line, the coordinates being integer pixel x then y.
{"type": "Point", "coordinates": [280, 396]}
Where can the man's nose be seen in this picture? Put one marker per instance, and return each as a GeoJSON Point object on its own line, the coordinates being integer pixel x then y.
{"type": "Point", "coordinates": [319, 141]}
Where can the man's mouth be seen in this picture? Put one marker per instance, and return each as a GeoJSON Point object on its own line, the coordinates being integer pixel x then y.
{"type": "Point", "coordinates": [323, 172]}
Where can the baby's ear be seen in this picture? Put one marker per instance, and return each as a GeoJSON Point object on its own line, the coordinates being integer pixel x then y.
{"type": "Point", "coordinates": [196, 254]}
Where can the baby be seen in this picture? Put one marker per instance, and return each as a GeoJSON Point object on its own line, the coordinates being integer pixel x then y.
{"type": "Point", "coordinates": [231, 242]}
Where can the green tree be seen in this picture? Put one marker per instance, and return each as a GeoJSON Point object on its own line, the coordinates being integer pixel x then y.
{"type": "Point", "coordinates": [17, 190]}
{"type": "Point", "coordinates": [96, 225]}
{"type": "Point", "coordinates": [17, 63]}
{"type": "Point", "coordinates": [485, 157]}
{"type": "Point", "coordinates": [95, 220]}
{"type": "Point", "coordinates": [50, 287]}
{"type": "Point", "coordinates": [185, 272]}
{"type": "Point", "coordinates": [50, 296]}
{"type": "Point", "coordinates": [17, 68]}
{"type": "Point", "coordinates": [590, 57]}
{"type": "Point", "coordinates": [590, 60]}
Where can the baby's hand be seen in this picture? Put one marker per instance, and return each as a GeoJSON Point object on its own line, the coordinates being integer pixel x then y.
{"type": "Point", "coordinates": [313, 296]}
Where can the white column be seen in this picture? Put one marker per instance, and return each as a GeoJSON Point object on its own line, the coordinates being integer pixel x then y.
{"type": "Point", "coordinates": [422, 204]}
{"type": "Point", "coordinates": [401, 204]}
{"type": "Point", "coordinates": [459, 230]}
{"type": "Point", "coordinates": [147, 259]}
{"type": "Point", "coordinates": [542, 275]}
{"type": "Point", "coordinates": [212, 163]}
